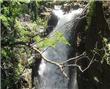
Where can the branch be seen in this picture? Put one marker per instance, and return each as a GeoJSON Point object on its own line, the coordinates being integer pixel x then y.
{"type": "Point", "coordinates": [89, 64]}
{"type": "Point", "coordinates": [52, 62]}
{"type": "Point", "coordinates": [62, 64]}
{"type": "Point", "coordinates": [82, 70]}
{"type": "Point", "coordinates": [77, 57]}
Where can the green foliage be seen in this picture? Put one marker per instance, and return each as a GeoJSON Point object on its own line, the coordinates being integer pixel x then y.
{"type": "Point", "coordinates": [106, 56]}
{"type": "Point", "coordinates": [13, 31]}
{"type": "Point", "coordinates": [1, 1]}
{"type": "Point", "coordinates": [57, 38]}
{"type": "Point", "coordinates": [42, 22]}
{"type": "Point", "coordinates": [8, 69]}
{"type": "Point", "coordinates": [14, 56]}
{"type": "Point", "coordinates": [4, 19]}
{"type": "Point", "coordinates": [23, 1]}
{"type": "Point", "coordinates": [90, 13]}
{"type": "Point", "coordinates": [19, 69]}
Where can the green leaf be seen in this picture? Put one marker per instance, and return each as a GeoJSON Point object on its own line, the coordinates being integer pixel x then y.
{"type": "Point", "coordinates": [51, 41]}
{"type": "Point", "coordinates": [1, 1]}
{"type": "Point", "coordinates": [37, 39]}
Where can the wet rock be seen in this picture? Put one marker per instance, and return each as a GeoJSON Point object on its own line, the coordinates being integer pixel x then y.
{"type": "Point", "coordinates": [66, 8]}
{"type": "Point", "coordinates": [52, 22]}
{"type": "Point", "coordinates": [76, 6]}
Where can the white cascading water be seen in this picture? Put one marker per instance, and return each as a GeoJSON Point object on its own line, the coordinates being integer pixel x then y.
{"type": "Point", "coordinates": [50, 75]}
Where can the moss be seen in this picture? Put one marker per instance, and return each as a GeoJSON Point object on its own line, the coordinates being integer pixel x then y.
{"type": "Point", "coordinates": [90, 13]}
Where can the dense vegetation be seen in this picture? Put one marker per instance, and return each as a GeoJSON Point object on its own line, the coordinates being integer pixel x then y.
{"type": "Point", "coordinates": [21, 23]}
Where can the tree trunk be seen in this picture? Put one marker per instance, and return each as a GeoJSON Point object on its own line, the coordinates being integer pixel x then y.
{"type": "Point", "coordinates": [97, 76]}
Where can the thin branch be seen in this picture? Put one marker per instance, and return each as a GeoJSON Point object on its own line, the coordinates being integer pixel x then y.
{"type": "Point", "coordinates": [74, 65]}
{"type": "Point", "coordinates": [61, 65]}
{"type": "Point", "coordinates": [77, 57]}
{"type": "Point", "coordinates": [46, 49]}
{"type": "Point", "coordinates": [89, 64]}
{"type": "Point", "coordinates": [52, 62]}
{"type": "Point", "coordinates": [82, 70]}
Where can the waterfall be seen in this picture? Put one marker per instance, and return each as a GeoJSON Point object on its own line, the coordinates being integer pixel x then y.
{"type": "Point", "coordinates": [50, 76]}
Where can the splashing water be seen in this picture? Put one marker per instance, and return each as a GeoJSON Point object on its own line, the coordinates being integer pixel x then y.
{"type": "Point", "coordinates": [50, 75]}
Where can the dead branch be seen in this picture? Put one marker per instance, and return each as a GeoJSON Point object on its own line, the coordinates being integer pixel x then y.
{"type": "Point", "coordinates": [89, 63]}
{"type": "Point", "coordinates": [82, 70]}
{"type": "Point", "coordinates": [62, 64]}
{"type": "Point", "coordinates": [52, 62]}
{"type": "Point", "coordinates": [74, 58]}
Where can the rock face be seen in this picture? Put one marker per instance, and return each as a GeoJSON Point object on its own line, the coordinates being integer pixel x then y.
{"type": "Point", "coordinates": [52, 22]}
{"type": "Point", "coordinates": [49, 75]}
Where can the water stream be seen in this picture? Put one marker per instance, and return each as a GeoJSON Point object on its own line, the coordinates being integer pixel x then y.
{"type": "Point", "coordinates": [50, 76]}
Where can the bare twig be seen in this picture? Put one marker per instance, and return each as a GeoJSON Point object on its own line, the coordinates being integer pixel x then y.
{"type": "Point", "coordinates": [89, 63]}
{"type": "Point", "coordinates": [46, 49]}
{"type": "Point", "coordinates": [62, 64]}
{"type": "Point", "coordinates": [77, 57]}
{"type": "Point", "coordinates": [74, 65]}
{"type": "Point", "coordinates": [82, 70]}
{"type": "Point", "coordinates": [52, 62]}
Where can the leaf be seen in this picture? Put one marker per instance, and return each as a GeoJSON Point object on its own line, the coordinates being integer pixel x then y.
{"type": "Point", "coordinates": [60, 38]}
{"type": "Point", "coordinates": [1, 1]}
{"type": "Point", "coordinates": [37, 39]}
